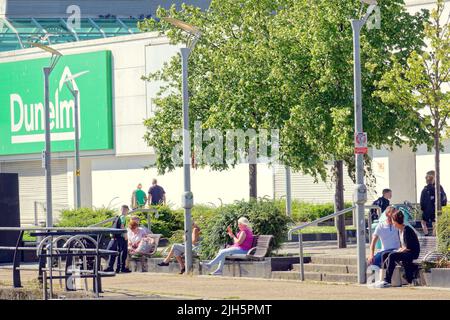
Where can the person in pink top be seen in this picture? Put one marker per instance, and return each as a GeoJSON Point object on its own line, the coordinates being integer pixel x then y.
{"type": "Point", "coordinates": [242, 243]}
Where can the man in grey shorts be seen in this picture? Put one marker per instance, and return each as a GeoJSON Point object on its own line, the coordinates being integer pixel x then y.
{"type": "Point", "coordinates": [178, 249]}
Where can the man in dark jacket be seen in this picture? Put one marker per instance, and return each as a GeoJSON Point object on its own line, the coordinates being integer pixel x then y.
{"type": "Point", "coordinates": [382, 202]}
{"type": "Point", "coordinates": [428, 203]}
{"type": "Point", "coordinates": [408, 252]}
{"type": "Point", "coordinates": [119, 243]}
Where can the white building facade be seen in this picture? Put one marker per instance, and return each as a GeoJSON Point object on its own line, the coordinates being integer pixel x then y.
{"type": "Point", "coordinates": [113, 106]}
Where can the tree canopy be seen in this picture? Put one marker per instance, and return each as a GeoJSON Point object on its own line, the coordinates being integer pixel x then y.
{"type": "Point", "coordinates": [286, 64]}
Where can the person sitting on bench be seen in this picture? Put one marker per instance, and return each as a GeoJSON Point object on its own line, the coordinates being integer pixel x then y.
{"type": "Point", "coordinates": [136, 238]}
{"type": "Point", "coordinates": [242, 243]}
{"type": "Point", "coordinates": [408, 252]}
{"type": "Point", "coordinates": [389, 237]}
{"type": "Point", "coordinates": [178, 249]}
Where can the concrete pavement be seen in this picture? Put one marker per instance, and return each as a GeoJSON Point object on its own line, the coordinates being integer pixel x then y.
{"type": "Point", "coordinates": [168, 286]}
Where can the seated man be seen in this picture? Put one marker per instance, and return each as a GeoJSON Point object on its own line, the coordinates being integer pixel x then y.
{"type": "Point", "coordinates": [389, 237]}
{"type": "Point", "coordinates": [408, 252]}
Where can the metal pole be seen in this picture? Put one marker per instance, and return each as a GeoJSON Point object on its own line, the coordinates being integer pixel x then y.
{"type": "Point", "coordinates": [185, 52]}
{"type": "Point", "coordinates": [288, 191]}
{"type": "Point", "coordinates": [48, 164]}
{"type": "Point", "coordinates": [360, 225]}
{"type": "Point", "coordinates": [77, 150]}
{"type": "Point", "coordinates": [300, 245]}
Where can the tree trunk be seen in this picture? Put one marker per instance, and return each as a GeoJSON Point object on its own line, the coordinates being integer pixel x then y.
{"type": "Point", "coordinates": [339, 203]}
{"type": "Point", "coordinates": [437, 169]}
{"type": "Point", "coordinates": [252, 170]}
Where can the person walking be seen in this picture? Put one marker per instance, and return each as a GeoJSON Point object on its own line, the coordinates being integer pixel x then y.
{"type": "Point", "coordinates": [383, 202]}
{"type": "Point", "coordinates": [428, 203]}
{"type": "Point", "coordinates": [138, 198]}
{"type": "Point", "coordinates": [119, 243]}
{"type": "Point", "coordinates": [156, 194]}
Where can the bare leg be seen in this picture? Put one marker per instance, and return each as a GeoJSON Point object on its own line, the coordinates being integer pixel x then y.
{"type": "Point", "coordinates": [180, 261]}
{"type": "Point", "coordinates": [170, 255]}
{"type": "Point", "coordinates": [424, 227]}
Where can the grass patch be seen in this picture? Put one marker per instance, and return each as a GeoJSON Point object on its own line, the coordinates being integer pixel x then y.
{"type": "Point", "coordinates": [323, 229]}
{"type": "Point", "coordinates": [27, 237]}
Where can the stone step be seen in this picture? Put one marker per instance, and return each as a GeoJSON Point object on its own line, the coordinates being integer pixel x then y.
{"type": "Point", "coordinates": [335, 260]}
{"type": "Point", "coordinates": [291, 275]}
{"type": "Point", "coordinates": [315, 276]}
{"type": "Point", "coordinates": [326, 268]}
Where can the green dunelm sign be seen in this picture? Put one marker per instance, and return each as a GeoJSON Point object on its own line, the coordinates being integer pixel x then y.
{"type": "Point", "coordinates": [22, 119]}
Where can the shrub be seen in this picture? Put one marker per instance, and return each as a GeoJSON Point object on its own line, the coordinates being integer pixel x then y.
{"type": "Point", "coordinates": [305, 211]}
{"type": "Point", "coordinates": [443, 226]}
{"type": "Point", "coordinates": [167, 223]}
{"type": "Point", "coordinates": [264, 215]}
{"type": "Point", "coordinates": [83, 217]}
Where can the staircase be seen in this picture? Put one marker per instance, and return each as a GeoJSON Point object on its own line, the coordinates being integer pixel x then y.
{"type": "Point", "coordinates": [325, 268]}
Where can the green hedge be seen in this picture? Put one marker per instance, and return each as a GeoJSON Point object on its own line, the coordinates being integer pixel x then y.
{"type": "Point", "coordinates": [264, 215]}
{"type": "Point", "coordinates": [167, 223]}
{"type": "Point", "coordinates": [83, 217]}
{"type": "Point", "coordinates": [443, 225]}
{"type": "Point", "coordinates": [305, 211]}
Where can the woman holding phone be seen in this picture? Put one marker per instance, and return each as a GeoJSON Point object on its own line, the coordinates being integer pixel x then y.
{"type": "Point", "coordinates": [242, 243]}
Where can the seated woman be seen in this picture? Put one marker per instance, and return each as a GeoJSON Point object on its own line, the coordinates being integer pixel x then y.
{"type": "Point", "coordinates": [177, 249]}
{"type": "Point", "coordinates": [242, 243]}
{"type": "Point", "coordinates": [138, 243]}
{"type": "Point", "coordinates": [409, 250]}
{"type": "Point", "coordinates": [389, 236]}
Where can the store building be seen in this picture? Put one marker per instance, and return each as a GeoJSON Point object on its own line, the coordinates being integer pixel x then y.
{"type": "Point", "coordinates": [114, 102]}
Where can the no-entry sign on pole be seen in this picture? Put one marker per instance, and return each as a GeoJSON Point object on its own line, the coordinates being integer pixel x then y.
{"type": "Point", "coordinates": [361, 143]}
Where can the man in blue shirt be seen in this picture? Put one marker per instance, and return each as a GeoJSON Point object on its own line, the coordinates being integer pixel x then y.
{"type": "Point", "coordinates": [156, 194]}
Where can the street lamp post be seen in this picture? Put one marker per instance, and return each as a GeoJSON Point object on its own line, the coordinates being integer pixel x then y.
{"type": "Point", "coordinates": [56, 55]}
{"type": "Point", "coordinates": [360, 188]}
{"type": "Point", "coordinates": [187, 199]}
{"type": "Point", "coordinates": [76, 96]}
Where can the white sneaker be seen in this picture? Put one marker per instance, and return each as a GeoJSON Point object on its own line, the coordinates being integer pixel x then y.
{"type": "Point", "coordinates": [382, 284]}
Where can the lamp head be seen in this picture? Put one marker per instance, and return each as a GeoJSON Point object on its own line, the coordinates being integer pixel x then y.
{"type": "Point", "coordinates": [45, 48]}
{"type": "Point", "coordinates": [183, 26]}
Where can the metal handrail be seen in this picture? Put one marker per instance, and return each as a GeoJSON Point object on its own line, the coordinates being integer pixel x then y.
{"type": "Point", "coordinates": [315, 222]}
{"type": "Point", "coordinates": [143, 210]}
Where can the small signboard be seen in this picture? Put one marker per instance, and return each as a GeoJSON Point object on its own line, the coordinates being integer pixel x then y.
{"type": "Point", "coordinates": [43, 156]}
{"type": "Point", "coordinates": [361, 143]}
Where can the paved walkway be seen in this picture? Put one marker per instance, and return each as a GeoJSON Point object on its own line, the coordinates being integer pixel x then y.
{"type": "Point", "coordinates": [318, 248]}
{"type": "Point", "coordinates": [166, 286]}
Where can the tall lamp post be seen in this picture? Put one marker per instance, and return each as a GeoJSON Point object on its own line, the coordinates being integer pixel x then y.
{"type": "Point", "coordinates": [56, 55]}
{"type": "Point", "coordinates": [76, 96]}
{"type": "Point", "coordinates": [360, 188]}
{"type": "Point", "coordinates": [187, 200]}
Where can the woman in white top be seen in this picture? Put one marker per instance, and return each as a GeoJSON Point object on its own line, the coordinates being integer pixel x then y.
{"type": "Point", "coordinates": [135, 235]}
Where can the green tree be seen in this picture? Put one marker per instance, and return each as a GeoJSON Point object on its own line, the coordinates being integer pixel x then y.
{"type": "Point", "coordinates": [421, 85]}
{"type": "Point", "coordinates": [234, 77]}
{"type": "Point", "coordinates": [286, 64]}
{"type": "Point", "coordinates": [323, 115]}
